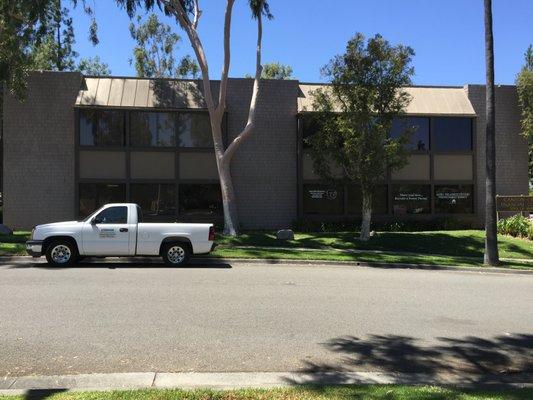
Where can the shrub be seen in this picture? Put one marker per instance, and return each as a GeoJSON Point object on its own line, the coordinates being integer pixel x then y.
{"type": "Point", "coordinates": [517, 226]}
{"type": "Point", "coordinates": [434, 224]}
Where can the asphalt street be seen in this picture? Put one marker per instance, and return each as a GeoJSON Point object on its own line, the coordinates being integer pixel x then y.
{"type": "Point", "coordinates": [104, 317]}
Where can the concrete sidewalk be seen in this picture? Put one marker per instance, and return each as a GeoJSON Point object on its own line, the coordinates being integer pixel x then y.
{"type": "Point", "coordinates": [235, 380]}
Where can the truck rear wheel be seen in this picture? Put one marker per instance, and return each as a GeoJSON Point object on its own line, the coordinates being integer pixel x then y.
{"type": "Point", "coordinates": [176, 254]}
{"type": "Point", "coordinates": [61, 253]}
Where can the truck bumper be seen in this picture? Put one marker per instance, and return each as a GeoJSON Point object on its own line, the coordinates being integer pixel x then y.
{"type": "Point", "coordinates": [34, 248]}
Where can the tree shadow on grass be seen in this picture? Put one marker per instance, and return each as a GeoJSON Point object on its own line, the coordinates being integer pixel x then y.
{"type": "Point", "coordinates": [477, 361]}
{"type": "Point", "coordinates": [41, 394]}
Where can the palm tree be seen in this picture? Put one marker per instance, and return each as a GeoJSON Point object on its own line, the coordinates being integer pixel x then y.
{"type": "Point", "coordinates": [491, 235]}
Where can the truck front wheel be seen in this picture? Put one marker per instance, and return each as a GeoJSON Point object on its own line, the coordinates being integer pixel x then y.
{"type": "Point", "coordinates": [61, 253]}
{"type": "Point", "coordinates": [176, 254]}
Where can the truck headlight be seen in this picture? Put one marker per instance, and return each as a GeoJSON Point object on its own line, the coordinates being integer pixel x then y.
{"type": "Point", "coordinates": [32, 232]}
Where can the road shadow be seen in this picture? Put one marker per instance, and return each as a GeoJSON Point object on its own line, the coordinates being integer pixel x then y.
{"type": "Point", "coordinates": [478, 361]}
{"type": "Point", "coordinates": [101, 263]}
{"type": "Point", "coordinates": [41, 394]}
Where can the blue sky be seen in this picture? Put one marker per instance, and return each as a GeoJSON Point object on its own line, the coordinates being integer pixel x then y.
{"type": "Point", "coordinates": [447, 35]}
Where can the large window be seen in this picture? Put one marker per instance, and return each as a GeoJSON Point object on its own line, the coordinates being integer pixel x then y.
{"type": "Point", "coordinates": [417, 129]}
{"type": "Point", "coordinates": [411, 199]}
{"type": "Point", "coordinates": [101, 128]}
{"type": "Point", "coordinates": [200, 201]}
{"type": "Point", "coordinates": [157, 201]}
{"type": "Point", "coordinates": [195, 130]}
{"type": "Point", "coordinates": [452, 134]}
{"type": "Point", "coordinates": [454, 199]}
{"type": "Point", "coordinates": [95, 195]}
{"type": "Point", "coordinates": [379, 200]}
{"type": "Point", "coordinates": [323, 199]}
{"type": "Point", "coordinates": [155, 129]}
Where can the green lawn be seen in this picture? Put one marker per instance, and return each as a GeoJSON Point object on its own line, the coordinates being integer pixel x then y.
{"type": "Point", "coordinates": [370, 392]}
{"type": "Point", "coordinates": [464, 248]}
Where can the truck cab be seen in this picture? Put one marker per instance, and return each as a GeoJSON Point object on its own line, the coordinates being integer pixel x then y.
{"type": "Point", "coordinates": [118, 230]}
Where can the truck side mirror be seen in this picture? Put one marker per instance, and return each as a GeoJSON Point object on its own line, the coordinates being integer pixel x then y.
{"type": "Point", "coordinates": [93, 221]}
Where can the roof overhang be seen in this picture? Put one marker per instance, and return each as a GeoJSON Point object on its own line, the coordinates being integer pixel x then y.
{"type": "Point", "coordinates": [438, 101]}
{"type": "Point", "coordinates": [140, 93]}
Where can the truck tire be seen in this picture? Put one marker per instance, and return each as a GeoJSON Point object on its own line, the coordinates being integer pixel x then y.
{"type": "Point", "coordinates": [61, 253]}
{"type": "Point", "coordinates": [176, 254]}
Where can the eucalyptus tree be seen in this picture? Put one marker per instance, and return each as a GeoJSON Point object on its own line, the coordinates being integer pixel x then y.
{"type": "Point", "coordinates": [275, 70]}
{"type": "Point", "coordinates": [188, 14]}
{"type": "Point", "coordinates": [354, 115]}
{"type": "Point", "coordinates": [93, 66]}
{"type": "Point", "coordinates": [491, 233]}
{"type": "Point", "coordinates": [154, 51]}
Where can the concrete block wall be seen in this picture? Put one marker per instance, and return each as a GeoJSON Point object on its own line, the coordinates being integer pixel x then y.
{"type": "Point", "coordinates": [264, 168]}
{"type": "Point", "coordinates": [39, 151]}
{"type": "Point", "coordinates": [511, 147]}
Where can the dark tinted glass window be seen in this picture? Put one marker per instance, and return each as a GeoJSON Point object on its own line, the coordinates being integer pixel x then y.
{"type": "Point", "coordinates": [95, 195]}
{"type": "Point", "coordinates": [454, 199]}
{"type": "Point", "coordinates": [411, 199]}
{"type": "Point", "coordinates": [113, 215]}
{"type": "Point", "coordinates": [200, 202]}
{"type": "Point", "coordinates": [101, 128]}
{"type": "Point", "coordinates": [157, 201]}
{"type": "Point", "coordinates": [452, 134]}
{"type": "Point", "coordinates": [379, 200]}
{"type": "Point", "coordinates": [153, 129]}
{"type": "Point", "coordinates": [323, 199]}
{"type": "Point", "coordinates": [416, 128]}
{"type": "Point", "coordinates": [194, 130]}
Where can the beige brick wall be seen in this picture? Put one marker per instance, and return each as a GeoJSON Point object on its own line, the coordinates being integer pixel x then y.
{"type": "Point", "coordinates": [265, 167]}
{"type": "Point", "coordinates": [511, 147]}
{"type": "Point", "coordinates": [39, 151]}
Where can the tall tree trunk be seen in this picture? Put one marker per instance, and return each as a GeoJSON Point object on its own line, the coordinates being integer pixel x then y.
{"type": "Point", "coordinates": [491, 235]}
{"type": "Point", "coordinates": [366, 211]}
{"type": "Point", "coordinates": [216, 111]}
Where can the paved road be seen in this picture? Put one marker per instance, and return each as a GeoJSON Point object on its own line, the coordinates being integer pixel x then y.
{"type": "Point", "coordinates": [106, 317]}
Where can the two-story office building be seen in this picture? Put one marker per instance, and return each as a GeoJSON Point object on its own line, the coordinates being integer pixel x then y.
{"type": "Point", "coordinates": [79, 142]}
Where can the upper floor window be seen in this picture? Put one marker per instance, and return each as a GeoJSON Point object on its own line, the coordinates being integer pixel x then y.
{"type": "Point", "coordinates": [101, 128]}
{"type": "Point", "coordinates": [155, 129]}
{"type": "Point", "coordinates": [452, 134]}
{"type": "Point", "coordinates": [416, 128]}
{"type": "Point", "coordinates": [194, 130]}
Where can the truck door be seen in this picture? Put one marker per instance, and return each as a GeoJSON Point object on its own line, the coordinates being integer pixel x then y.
{"type": "Point", "coordinates": [108, 233]}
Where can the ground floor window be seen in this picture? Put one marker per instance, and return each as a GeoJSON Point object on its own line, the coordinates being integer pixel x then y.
{"type": "Point", "coordinates": [157, 201]}
{"type": "Point", "coordinates": [200, 201]}
{"type": "Point", "coordinates": [94, 195]}
{"type": "Point", "coordinates": [411, 199]}
{"type": "Point", "coordinates": [454, 199]}
{"type": "Point", "coordinates": [355, 200]}
{"type": "Point", "coordinates": [323, 199]}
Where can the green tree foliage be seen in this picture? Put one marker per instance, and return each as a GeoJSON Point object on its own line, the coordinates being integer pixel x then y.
{"type": "Point", "coordinates": [275, 70]}
{"type": "Point", "coordinates": [26, 27]}
{"type": "Point", "coordinates": [154, 53]}
{"type": "Point", "coordinates": [524, 83]}
{"type": "Point", "coordinates": [93, 66]}
{"type": "Point", "coordinates": [22, 22]}
{"type": "Point", "coordinates": [54, 50]}
{"type": "Point", "coordinates": [355, 115]}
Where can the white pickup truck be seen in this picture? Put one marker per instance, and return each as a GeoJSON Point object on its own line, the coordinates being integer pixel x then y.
{"type": "Point", "coordinates": [118, 230]}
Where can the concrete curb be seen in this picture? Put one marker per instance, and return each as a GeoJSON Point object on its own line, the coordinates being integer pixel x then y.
{"type": "Point", "coordinates": [235, 380]}
{"type": "Point", "coordinates": [198, 261]}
